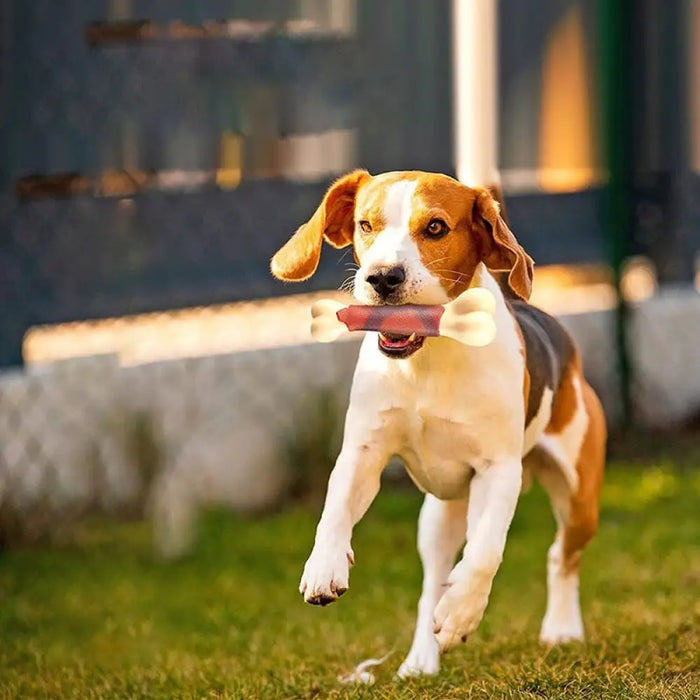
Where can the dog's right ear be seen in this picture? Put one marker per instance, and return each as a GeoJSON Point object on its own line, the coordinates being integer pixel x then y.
{"type": "Point", "coordinates": [502, 252]}
{"type": "Point", "coordinates": [333, 220]}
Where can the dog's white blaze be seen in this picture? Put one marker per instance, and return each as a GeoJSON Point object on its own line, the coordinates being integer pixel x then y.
{"type": "Point", "coordinates": [392, 247]}
{"type": "Point", "coordinates": [398, 204]}
{"type": "Point", "coordinates": [395, 246]}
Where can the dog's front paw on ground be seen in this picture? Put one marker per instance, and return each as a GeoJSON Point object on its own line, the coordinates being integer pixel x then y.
{"type": "Point", "coordinates": [458, 614]}
{"type": "Point", "coordinates": [422, 660]}
{"type": "Point", "coordinates": [561, 630]}
{"type": "Point", "coordinates": [326, 576]}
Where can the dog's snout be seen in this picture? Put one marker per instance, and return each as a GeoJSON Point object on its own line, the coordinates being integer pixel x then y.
{"type": "Point", "coordinates": [386, 280]}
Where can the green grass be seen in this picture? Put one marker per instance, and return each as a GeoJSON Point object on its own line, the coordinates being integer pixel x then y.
{"type": "Point", "coordinates": [99, 617]}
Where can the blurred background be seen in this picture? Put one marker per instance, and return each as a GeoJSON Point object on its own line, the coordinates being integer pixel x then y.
{"type": "Point", "coordinates": [154, 155]}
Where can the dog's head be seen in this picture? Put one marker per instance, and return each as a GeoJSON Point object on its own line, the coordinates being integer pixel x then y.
{"type": "Point", "coordinates": [418, 238]}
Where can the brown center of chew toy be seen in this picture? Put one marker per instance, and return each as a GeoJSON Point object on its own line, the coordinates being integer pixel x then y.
{"type": "Point", "coordinates": [467, 319]}
{"type": "Point", "coordinates": [400, 320]}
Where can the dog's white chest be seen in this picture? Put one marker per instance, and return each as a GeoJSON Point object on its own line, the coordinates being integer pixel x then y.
{"type": "Point", "coordinates": [450, 412]}
{"type": "Point", "coordinates": [440, 454]}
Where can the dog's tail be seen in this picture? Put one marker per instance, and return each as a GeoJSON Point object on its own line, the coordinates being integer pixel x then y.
{"type": "Point", "coordinates": [496, 192]}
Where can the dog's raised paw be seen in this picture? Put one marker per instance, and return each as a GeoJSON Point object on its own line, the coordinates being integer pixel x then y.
{"type": "Point", "coordinates": [325, 599]}
{"type": "Point", "coordinates": [458, 614]}
{"type": "Point", "coordinates": [325, 576]}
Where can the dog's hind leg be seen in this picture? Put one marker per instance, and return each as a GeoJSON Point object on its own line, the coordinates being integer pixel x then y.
{"type": "Point", "coordinates": [572, 478]}
{"type": "Point", "coordinates": [441, 533]}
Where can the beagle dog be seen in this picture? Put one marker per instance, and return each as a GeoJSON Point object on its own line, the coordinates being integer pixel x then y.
{"type": "Point", "coordinates": [472, 424]}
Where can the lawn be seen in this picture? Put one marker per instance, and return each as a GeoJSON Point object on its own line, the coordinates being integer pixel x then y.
{"type": "Point", "coordinates": [99, 617]}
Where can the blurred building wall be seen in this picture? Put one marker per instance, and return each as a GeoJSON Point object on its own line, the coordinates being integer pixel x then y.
{"type": "Point", "coordinates": [694, 83]}
{"type": "Point", "coordinates": [550, 96]}
{"type": "Point", "coordinates": [155, 154]}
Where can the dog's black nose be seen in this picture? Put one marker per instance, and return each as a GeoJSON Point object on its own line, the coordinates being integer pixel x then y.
{"type": "Point", "coordinates": [386, 280]}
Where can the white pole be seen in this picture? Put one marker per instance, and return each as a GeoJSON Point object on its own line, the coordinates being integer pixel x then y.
{"type": "Point", "coordinates": [474, 36]}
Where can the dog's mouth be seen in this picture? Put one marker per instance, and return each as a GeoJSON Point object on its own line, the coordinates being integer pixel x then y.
{"type": "Point", "coordinates": [400, 346]}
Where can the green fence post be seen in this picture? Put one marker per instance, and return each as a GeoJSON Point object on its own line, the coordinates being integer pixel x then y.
{"type": "Point", "coordinates": [615, 21]}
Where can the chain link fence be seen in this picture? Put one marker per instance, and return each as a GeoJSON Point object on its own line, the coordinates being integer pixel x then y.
{"type": "Point", "coordinates": [87, 435]}
{"type": "Point", "coordinates": [243, 428]}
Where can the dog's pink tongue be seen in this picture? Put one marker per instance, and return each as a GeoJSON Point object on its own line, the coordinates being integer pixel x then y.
{"type": "Point", "coordinates": [396, 342]}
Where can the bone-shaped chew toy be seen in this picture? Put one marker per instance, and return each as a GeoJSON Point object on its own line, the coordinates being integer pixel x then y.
{"type": "Point", "coordinates": [467, 319]}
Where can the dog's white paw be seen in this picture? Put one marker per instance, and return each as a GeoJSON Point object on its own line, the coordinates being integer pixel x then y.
{"type": "Point", "coordinates": [561, 631]}
{"type": "Point", "coordinates": [459, 611]}
{"type": "Point", "coordinates": [562, 622]}
{"type": "Point", "coordinates": [422, 660]}
{"type": "Point", "coordinates": [326, 575]}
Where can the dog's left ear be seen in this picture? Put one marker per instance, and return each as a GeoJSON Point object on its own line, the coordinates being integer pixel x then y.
{"type": "Point", "coordinates": [501, 251]}
{"type": "Point", "coordinates": [333, 221]}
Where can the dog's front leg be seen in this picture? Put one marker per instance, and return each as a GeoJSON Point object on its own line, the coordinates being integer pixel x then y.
{"type": "Point", "coordinates": [493, 496]}
{"type": "Point", "coordinates": [441, 529]}
{"type": "Point", "coordinates": [353, 484]}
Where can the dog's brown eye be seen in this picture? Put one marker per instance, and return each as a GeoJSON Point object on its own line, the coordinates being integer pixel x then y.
{"type": "Point", "coordinates": [366, 226]}
{"type": "Point", "coordinates": [436, 228]}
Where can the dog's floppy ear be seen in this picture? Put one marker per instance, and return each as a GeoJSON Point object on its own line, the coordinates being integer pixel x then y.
{"type": "Point", "coordinates": [501, 251]}
{"type": "Point", "coordinates": [333, 220]}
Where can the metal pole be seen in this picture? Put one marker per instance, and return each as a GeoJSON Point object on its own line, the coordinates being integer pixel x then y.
{"type": "Point", "coordinates": [475, 71]}
{"type": "Point", "coordinates": [615, 22]}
